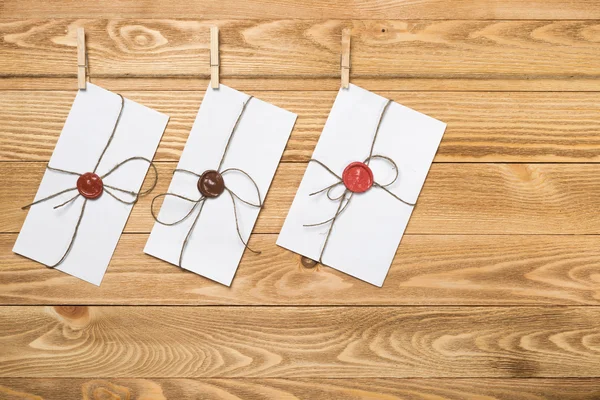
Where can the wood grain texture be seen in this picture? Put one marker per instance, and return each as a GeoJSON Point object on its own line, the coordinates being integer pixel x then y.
{"type": "Point", "coordinates": [488, 127]}
{"type": "Point", "coordinates": [296, 389]}
{"type": "Point", "coordinates": [200, 84]}
{"type": "Point", "coordinates": [308, 9]}
{"type": "Point", "coordinates": [427, 270]}
{"type": "Point", "coordinates": [296, 48]}
{"type": "Point", "coordinates": [494, 290]}
{"type": "Point", "coordinates": [295, 342]}
{"type": "Point", "coordinates": [456, 199]}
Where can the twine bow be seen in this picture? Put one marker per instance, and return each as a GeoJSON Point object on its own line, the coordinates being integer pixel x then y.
{"type": "Point", "coordinates": [105, 187]}
{"type": "Point", "coordinates": [347, 195]}
{"type": "Point", "coordinates": [202, 199]}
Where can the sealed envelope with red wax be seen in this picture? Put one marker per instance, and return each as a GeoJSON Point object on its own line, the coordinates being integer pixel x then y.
{"type": "Point", "coordinates": [91, 183]}
{"type": "Point", "coordinates": [361, 184]}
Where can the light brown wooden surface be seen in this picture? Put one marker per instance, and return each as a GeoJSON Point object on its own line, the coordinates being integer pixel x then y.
{"type": "Point", "coordinates": [495, 288]}
{"type": "Point", "coordinates": [292, 389]}
{"type": "Point", "coordinates": [456, 199]}
{"type": "Point", "coordinates": [458, 269]}
{"type": "Point", "coordinates": [482, 126]}
{"type": "Point", "coordinates": [253, 9]}
{"type": "Point", "coordinates": [299, 342]}
{"type": "Point", "coordinates": [296, 48]}
{"type": "Point", "coordinates": [402, 84]}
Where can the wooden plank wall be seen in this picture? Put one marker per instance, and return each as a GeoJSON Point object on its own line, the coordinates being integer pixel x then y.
{"type": "Point", "coordinates": [494, 292]}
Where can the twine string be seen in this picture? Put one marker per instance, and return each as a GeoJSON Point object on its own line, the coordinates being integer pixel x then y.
{"type": "Point", "coordinates": [329, 192]}
{"type": "Point", "coordinates": [62, 170]}
{"type": "Point", "coordinates": [129, 192]}
{"type": "Point", "coordinates": [106, 188]}
{"type": "Point", "coordinates": [155, 215]}
{"type": "Point", "coordinates": [202, 200]}
{"type": "Point", "coordinates": [66, 202]}
{"type": "Point", "coordinates": [72, 241]}
{"type": "Point", "coordinates": [187, 171]}
{"type": "Point", "coordinates": [25, 207]}
{"type": "Point", "coordinates": [394, 167]}
{"type": "Point", "coordinates": [342, 206]}
{"type": "Point", "coordinates": [189, 232]}
{"type": "Point", "coordinates": [112, 134]}
{"type": "Point", "coordinates": [259, 205]}
{"type": "Point", "coordinates": [237, 223]}
{"type": "Point", "coordinates": [233, 130]}
{"type": "Point", "coordinates": [385, 107]}
{"type": "Point", "coordinates": [340, 209]}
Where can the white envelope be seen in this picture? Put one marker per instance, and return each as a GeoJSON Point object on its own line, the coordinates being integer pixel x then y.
{"type": "Point", "coordinates": [214, 249]}
{"type": "Point", "coordinates": [366, 235]}
{"type": "Point", "coordinates": [46, 232]}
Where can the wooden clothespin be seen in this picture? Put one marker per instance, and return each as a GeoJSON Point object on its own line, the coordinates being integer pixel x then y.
{"type": "Point", "coordinates": [214, 57]}
{"type": "Point", "coordinates": [345, 61]}
{"type": "Point", "coordinates": [81, 59]}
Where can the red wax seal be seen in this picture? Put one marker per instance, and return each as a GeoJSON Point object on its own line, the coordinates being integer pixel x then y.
{"type": "Point", "coordinates": [211, 183]}
{"type": "Point", "coordinates": [358, 177]}
{"type": "Point", "coordinates": [90, 185]}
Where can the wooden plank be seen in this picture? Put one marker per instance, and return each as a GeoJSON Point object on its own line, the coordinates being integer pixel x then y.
{"type": "Point", "coordinates": [456, 198]}
{"type": "Point", "coordinates": [311, 84]}
{"type": "Point", "coordinates": [490, 127]}
{"type": "Point", "coordinates": [308, 9]}
{"type": "Point", "coordinates": [304, 342]}
{"type": "Point", "coordinates": [427, 270]}
{"type": "Point", "coordinates": [288, 389]}
{"type": "Point", "coordinates": [307, 49]}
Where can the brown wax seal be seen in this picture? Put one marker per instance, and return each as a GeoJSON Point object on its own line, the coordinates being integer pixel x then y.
{"type": "Point", "coordinates": [90, 185]}
{"type": "Point", "coordinates": [211, 183]}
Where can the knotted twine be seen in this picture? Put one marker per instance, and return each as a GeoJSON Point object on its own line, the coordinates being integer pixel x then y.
{"type": "Point", "coordinates": [344, 196]}
{"type": "Point", "coordinates": [136, 195]}
{"type": "Point", "coordinates": [202, 199]}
